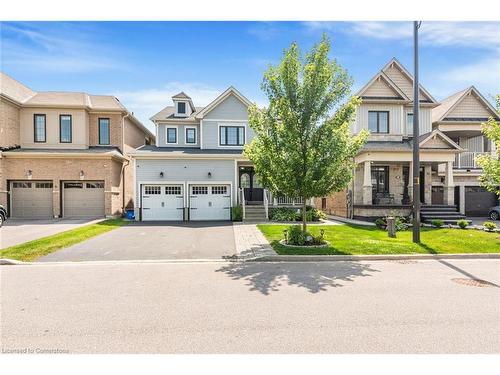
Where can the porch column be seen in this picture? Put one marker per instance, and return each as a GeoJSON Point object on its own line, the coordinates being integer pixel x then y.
{"type": "Point", "coordinates": [449, 186]}
{"type": "Point", "coordinates": [410, 182]}
{"type": "Point", "coordinates": [462, 199]}
{"type": "Point", "coordinates": [367, 183]}
{"type": "Point", "coordinates": [428, 184]}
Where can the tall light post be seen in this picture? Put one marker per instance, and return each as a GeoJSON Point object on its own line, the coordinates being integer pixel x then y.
{"type": "Point", "coordinates": [416, 149]}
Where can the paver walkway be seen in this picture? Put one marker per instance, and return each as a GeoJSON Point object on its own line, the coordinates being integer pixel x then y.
{"type": "Point", "coordinates": [250, 242]}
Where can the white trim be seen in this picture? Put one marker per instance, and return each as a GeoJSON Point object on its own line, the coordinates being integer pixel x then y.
{"type": "Point", "coordinates": [235, 147]}
{"type": "Point", "coordinates": [195, 135]}
{"type": "Point", "coordinates": [225, 120]}
{"type": "Point", "coordinates": [156, 133]}
{"type": "Point", "coordinates": [201, 134]}
{"type": "Point", "coordinates": [176, 127]}
{"type": "Point", "coordinates": [176, 105]}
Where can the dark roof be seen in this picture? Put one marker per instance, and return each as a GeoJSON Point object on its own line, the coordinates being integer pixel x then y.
{"type": "Point", "coordinates": [90, 150]}
{"type": "Point", "coordinates": [188, 150]}
{"type": "Point", "coordinates": [405, 145]}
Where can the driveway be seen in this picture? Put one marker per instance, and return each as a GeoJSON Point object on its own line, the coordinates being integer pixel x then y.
{"type": "Point", "coordinates": [16, 231]}
{"type": "Point", "coordinates": [154, 241]}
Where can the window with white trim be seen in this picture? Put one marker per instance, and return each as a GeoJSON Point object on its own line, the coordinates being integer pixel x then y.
{"type": "Point", "coordinates": [181, 108]}
{"type": "Point", "coordinates": [231, 136]}
{"type": "Point", "coordinates": [409, 124]}
{"type": "Point", "coordinates": [200, 190]}
{"type": "Point", "coordinates": [152, 190]}
{"type": "Point", "coordinates": [219, 189]}
{"type": "Point", "coordinates": [172, 190]}
{"type": "Point", "coordinates": [171, 135]}
{"type": "Point", "coordinates": [190, 135]}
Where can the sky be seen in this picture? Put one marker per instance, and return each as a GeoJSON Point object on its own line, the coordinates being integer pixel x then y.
{"type": "Point", "coordinates": [145, 63]}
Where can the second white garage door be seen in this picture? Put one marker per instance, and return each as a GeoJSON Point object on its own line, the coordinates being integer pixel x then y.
{"type": "Point", "coordinates": [209, 202]}
{"type": "Point", "coordinates": [83, 199]}
{"type": "Point", "coordinates": [162, 202]}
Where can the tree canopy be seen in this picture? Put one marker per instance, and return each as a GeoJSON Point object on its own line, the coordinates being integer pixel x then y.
{"type": "Point", "coordinates": [490, 178]}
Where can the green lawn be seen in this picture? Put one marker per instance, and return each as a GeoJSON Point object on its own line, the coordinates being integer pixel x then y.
{"type": "Point", "coordinates": [33, 249]}
{"type": "Point", "coordinates": [357, 240]}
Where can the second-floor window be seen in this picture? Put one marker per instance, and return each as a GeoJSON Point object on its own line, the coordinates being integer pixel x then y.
{"type": "Point", "coordinates": [40, 133]}
{"type": "Point", "coordinates": [409, 124]}
{"type": "Point", "coordinates": [65, 129]}
{"type": "Point", "coordinates": [181, 108]}
{"type": "Point", "coordinates": [104, 131]}
{"type": "Point", "coordinates": [378, 121]}
{"type": "Point", "coordinates": [171, 135]}
{"type": "Point", "coordinates": [191, 135]}
{"type": "Point", "coordinates": [232, 136]}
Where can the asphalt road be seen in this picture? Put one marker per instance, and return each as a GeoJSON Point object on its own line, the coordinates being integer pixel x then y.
{"type": "Point", "coordinates": [326, 307]}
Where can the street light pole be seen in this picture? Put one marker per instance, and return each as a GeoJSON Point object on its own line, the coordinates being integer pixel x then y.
{"type": "Point", "coordinates": [416, 156]}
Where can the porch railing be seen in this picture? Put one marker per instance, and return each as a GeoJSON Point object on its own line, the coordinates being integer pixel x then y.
{"type": "Point", "coordinates": [287, 201]}
{"type": "Point", "coordinates": [467, 159]}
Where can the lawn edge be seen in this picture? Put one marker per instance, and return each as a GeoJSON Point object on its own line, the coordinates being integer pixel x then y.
{"type": "Point", "coordinates": [330, 258]}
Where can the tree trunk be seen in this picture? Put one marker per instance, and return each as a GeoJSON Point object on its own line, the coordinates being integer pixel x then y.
{"type": "Point", "coordinates": [304, 222]}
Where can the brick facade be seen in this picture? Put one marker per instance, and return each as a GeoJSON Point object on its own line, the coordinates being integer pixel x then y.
{"type": "Point", "coordinates": [115, 129]}
{"type": "Point", "coordinates": [335, 204]}
{"type": "Point", "coordinates": [9, 124]}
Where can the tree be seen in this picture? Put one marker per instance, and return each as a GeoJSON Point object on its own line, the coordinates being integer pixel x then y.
{"type": "Point", "coordinates": [490, 179]}
{"type": "Point", "coordinates": [299, 148]}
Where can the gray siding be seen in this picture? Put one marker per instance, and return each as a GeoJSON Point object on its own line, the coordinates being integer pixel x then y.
{"type": "Point", "coordinates": [184, 170]}
{"type": "Point", "coordinates": [230, 109]}
{"type": "Point", "coordinates": [181, 135]}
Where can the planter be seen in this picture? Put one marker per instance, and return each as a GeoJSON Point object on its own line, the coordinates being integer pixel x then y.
{"type": "Point", "coordinates": [326, 244]}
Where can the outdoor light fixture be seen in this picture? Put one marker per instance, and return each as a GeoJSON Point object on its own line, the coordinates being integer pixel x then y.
{"type": "Point", "coordinates": [82, 174]}
{"type": "Point", "coordinates": [209, 174]}
{"type": "Point", "coordinates": [29, 174]}
{"type": "Point", "coordinates": [161, 174]}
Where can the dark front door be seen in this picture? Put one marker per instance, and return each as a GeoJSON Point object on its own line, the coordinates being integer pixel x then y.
{"type": "Point", "coordinates": [437, 195]}
{"type": "Point", "coordinates": [254, 193]}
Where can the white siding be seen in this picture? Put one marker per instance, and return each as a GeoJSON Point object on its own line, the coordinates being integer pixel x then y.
{"type": "Point", "coordinates": [425, 124]}
{"type": "Point", "coordinates": [395, 117]}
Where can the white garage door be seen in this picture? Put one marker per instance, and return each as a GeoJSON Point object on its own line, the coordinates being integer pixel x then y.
{"type": "Point", "coordinates": [210, 202]}
{"type": "Point", "coordinates": [83, 199]}
{"type": "Point", "coordinates": [162, 202]}
{"type": "Point", "coordinates": [31, 199]}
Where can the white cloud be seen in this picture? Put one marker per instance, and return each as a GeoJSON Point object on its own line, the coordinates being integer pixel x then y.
{"type": "Point", "coordinates": [472, 34]}
{"type": "Point", "coordinates": [148, 101]}
{"type": "Point", "coordinates": [57, 47]}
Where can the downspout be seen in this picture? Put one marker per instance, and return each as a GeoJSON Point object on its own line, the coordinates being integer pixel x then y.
{"type": "Point", "coordinates": [124, 165]}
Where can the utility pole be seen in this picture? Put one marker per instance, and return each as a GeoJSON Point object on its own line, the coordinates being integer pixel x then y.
{"type": "Point", "coordinates": [416, 148]}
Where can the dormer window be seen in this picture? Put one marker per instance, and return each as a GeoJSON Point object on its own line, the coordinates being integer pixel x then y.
{"type": "Point", "coordinates": [181, 108]}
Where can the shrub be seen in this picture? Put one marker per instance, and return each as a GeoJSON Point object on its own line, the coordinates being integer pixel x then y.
{"type": "Point", "coordinates": [462, 223]}
{"type": "Point", "coordinates": [400, 223]}
{"type": "Point", "coordinates": [296, 236]}
{"type": "Point", "coordinates": [380, 223]}
{"type": "Point", "coordinates": [438, 223]}
{"type": "Point", "coordinates": [295, 214]}
{"type": "Point", "coordinates": [489, 226]}
{"type": "Point", "coordinates": [237, 213]}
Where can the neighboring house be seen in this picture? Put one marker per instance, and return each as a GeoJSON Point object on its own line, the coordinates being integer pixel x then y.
{"type": "Point", "coordinates": [65, 154]}
{"type": "Point", "coordinates": [382, 182]}
{"type": "Point", "coordinates": [460, 117]}
{"type": "Point", "coordinates": [196, 170]}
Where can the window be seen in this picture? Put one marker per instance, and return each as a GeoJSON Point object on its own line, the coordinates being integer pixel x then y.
{"type": "Point", "coordinates": [39, 127]}
{"type": "Point", "coordinates": [73, 185]}
{"type": "Point", "coordinates": [380, 180]}
{"type": "Point", "coordinates": [409, 124]}
{"type": "Point", "coordinates": [21, 185]}
{"type": "Point", "coordinates": [378, 121]}
{"type": "Point", "coordinates": [95, 185]}
{"type": "Point", "coordinates": [219, 189]}
{"type": "Point", "coordinates": [43, 185]}
{"type": "Point", "coordinates": [190, 135]}
{"type": "Point", "coordinates": [171, 135]}
{"type": "Point", "coordinates": [323, 204]}
{"type": "Point", "coordinates": [197, 190]}
{"type": "Point", "coordinates": [173, 190]}
{"type": "Point", "coordinates": [104, 131]}
{"type": "Point", "coordinates": [65, 128]}
{"type": "Point", "coordinates": [232, 136]}
{"type": "Point", "coordinates": [181, 107]}
{"type": "Point", "coordinates": [152, 190]}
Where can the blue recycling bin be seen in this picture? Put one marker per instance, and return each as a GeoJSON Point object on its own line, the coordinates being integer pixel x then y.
{"type": "Point", "coordinates": [130, 214]}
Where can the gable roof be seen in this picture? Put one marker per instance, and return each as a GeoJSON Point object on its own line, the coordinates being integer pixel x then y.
{"type": "Point", "coordinates": [181, 95]}
{"type": "Point", "coordinates": [428, 139]}
{"type": "Point", "coordinates": [451, 102]}
{"type": "Point", "coordinates": [382, 77]}
{"type": "Point", "coordinates": [168, 113]}
{"type": "Point", "coordinates": [230, 91]}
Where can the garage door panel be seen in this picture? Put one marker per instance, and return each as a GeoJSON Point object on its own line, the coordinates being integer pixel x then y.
{"type": "Point", "coordinates": [83, 199]}
{"type": "Point", "coordinates": [478, 201]}
{"type": "Point", "coordinates": [32, 199]}
{"type": "Point", "coordinates": [210, 202]}
{"type": "Point", "coordinates": [162, 202]}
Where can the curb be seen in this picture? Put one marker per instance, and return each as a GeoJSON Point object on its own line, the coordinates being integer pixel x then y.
{"type": "Point", "coordinates": [12, 262]}
{"type": "Point", "coordinates": [333, 258]}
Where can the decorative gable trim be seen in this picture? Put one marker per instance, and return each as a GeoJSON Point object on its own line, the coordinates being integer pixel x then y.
{"type": "Point", "coordinates": [381, 76]}
{"type": "Point", "coordinates": [435, 134]}
{"type": "Point", "coordinates": [230, 91]}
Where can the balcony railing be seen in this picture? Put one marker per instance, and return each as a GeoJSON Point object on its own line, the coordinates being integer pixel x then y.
{"type": "Point", "coordinates": [467, 160]}
{"type": "Point", "coordinates": [286, 201]}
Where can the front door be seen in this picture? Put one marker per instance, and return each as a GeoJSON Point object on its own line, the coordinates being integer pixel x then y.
{"type": "Point", "coordinates": [254, 193]}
